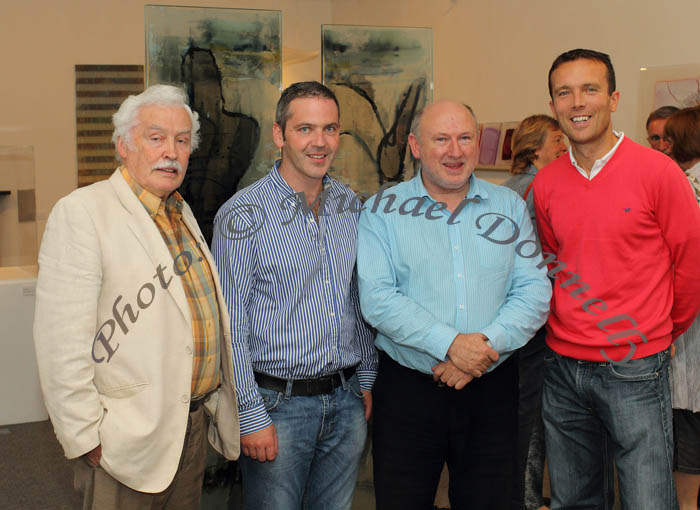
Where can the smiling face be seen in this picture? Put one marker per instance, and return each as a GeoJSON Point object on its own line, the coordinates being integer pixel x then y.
{"type": "Point", "coordinates": [581, 102]}
{"type": "Point", "coordinates": [447, 148]}
{"type": "Point", "coordinates": [309, 142]}
{"type": "Point", "coordinates": [160, 148]}
{"type": "Point", "coordinates": [551, 149]}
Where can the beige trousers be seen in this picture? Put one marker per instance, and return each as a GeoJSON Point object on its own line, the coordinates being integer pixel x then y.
{"type": "Point", "coordinates": [102, 492]}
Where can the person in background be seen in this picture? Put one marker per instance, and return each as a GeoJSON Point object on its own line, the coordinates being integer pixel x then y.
{"type": "Point", "coordinates": [537, 142]}
{"type": "Point", "coordinates": [683, 133]}
{"type": "Point", "coordinates": [655, 128]}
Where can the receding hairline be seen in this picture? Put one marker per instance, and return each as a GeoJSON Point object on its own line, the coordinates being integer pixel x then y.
{"type": "Point", "coordinates": [418, 118]}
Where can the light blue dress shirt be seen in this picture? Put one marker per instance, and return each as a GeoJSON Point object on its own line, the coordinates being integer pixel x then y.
{"type": "Point", "coordinates": [427, 275]}
{"type": "Point", "coordinates": [290, 287]}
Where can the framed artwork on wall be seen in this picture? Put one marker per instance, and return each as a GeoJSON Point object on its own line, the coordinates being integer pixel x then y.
{"type": "Point", "coordinates": [666, 85]}
{"type": "Point", "coordinates": [382, 76]}
{"type": "Point", "coordinates": [99, 90]}
{"type": "Point", "coordinates": [229, 61]}
{"type": "Point", "coordinates": [505, 145]}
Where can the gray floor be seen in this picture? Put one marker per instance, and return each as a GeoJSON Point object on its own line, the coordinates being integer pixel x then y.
{"type": "Point", "coordinates": [34, 474]}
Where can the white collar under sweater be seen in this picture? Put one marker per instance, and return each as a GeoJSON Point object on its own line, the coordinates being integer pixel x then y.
{"type": "Point", "coordinates": [599, 163]}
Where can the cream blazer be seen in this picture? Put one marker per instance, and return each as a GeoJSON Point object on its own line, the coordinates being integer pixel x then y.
{"type": "Point", "coordinates": [113, 337]}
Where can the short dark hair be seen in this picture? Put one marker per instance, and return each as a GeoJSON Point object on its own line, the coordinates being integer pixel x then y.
{"type": "Point", "coordinates": [661, 113]}
{"type": "Point", "coordinates": [683, 129]}
{"type": "Point", "coordinates": [571, 55]}
{"type": "Point", "coordinates": [297, 90]}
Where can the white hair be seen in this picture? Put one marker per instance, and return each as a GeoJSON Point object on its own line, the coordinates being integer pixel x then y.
{"type": "Point", "coordinates": [127, 117]}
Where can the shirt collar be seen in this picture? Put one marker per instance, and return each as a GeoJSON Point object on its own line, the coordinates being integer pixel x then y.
{"type": "Point", "coordinates": [599, 163]}
{"type": "Point", "coordinates": [694, 170]}
{"type": "Point", "coordinates": [530, 170]}
{"type": "Point", "coordinates": [476, 188]}
{"type": "Point", "coordinates": [286, 189]}
{"type": "Point", "coordinates": [151, 202]}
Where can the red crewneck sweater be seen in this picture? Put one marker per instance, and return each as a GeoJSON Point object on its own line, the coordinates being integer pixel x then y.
{"type": "Point", "coordinates": [629, 241]}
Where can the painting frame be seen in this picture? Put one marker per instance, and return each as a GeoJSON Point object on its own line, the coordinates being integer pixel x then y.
{"type": "Point", "coordinates": [382, 76]}
{"type": "Point", "coordinates": [230, 63]}
{"type": "Point", "coordinates": [649, 77]}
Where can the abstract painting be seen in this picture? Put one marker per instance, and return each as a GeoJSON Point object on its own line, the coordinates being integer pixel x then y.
{"type": "Point", "coordinates": [99, 90]}
{"type": "Point", "coordinates": [680, 93]}
{"type": "Point", "coordinates": [229, 61]}
{"type": "Point", "coordinates": [381, 76]}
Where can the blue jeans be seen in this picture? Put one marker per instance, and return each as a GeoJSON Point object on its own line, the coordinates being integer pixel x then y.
{"type": "Point", "coordinates": [596, 412]}
{"type": "Point", "coordinates": [320, 440]}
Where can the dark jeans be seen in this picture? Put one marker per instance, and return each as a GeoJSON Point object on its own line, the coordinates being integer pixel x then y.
{"type": "Point", "coordinates": [529, 464]}
{"type": "Point", "coordinates": [418, 426]}
{"type": "Point", "coordinates": [595, 409]}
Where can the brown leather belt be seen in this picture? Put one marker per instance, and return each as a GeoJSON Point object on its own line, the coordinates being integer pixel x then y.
{"type": "Point", "coordinates": [196, 402]}
{"type": "Point", "coordinates": [305, 387]}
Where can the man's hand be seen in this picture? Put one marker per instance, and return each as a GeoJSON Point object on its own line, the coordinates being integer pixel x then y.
{"type": "Point", "coordinates": [260, 445]}
{"type": "Point", "coordinates": [367, 402]}
{"type": "Point", "coordinates": [471, 354]}
{"type": "Point", "coordinates": [93, 456]}
{"type": "Point", "coordinates": [452, 376]}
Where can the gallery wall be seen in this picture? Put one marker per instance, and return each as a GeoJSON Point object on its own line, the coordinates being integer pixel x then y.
{"type": "Point", "coordinates": [493, 54]}
{"type": "Point", "coordinates": [44, 40]}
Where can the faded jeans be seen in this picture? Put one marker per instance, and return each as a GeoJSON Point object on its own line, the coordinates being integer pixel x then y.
{"type": "Point", "coordinates": [595, 409]}
{"type": "Point", "coordinates": [320, 439]}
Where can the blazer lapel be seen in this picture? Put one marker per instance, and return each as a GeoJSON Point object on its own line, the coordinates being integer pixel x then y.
{"type": "Point", "coordinates": [146, 232]}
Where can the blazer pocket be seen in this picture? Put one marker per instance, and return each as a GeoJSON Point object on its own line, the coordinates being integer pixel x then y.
{"type": "Point", "coordinates": [124, 391]}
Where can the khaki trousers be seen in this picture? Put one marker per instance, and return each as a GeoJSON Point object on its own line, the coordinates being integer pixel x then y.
{"type": "Point", "coordinates": [102, 492]}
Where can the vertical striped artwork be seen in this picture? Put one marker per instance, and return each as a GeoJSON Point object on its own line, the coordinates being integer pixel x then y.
{"type": "Point", "coordinates": [99, 90]}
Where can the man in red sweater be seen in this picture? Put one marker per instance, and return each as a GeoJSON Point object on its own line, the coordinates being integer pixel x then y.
{"type": "Point", "coordinates": [620, 231]}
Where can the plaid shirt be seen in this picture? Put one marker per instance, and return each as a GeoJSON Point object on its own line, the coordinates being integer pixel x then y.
{"type": "Point", "coordinates": [197, 281]}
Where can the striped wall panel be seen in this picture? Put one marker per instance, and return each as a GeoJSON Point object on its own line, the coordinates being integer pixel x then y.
{"type": "Point", "coordinates": [99, 90]}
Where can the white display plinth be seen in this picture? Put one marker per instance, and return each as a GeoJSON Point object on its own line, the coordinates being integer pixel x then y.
{"type": "Point", "coordinates": [20, 394]}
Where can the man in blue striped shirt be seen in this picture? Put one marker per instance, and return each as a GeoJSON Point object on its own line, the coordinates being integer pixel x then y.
{"type": "Point", "coordinates": [451, 277]}
{"type": "Point", "coordinates": [304, 358]}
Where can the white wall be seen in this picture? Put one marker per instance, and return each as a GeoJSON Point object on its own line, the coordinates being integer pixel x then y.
{"type": "Point", "coordinates": [495, 54]}
{"type": "Point", "coordinates": [43, 40]}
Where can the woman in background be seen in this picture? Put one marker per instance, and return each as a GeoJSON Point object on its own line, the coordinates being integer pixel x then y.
{"type": "Point", "coordinates": [683, 133]}
{"type": "Point", "coordinates": [537, 142]}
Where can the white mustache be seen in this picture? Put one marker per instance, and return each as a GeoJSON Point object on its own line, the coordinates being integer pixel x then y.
{"type": "Point", "coordinates": [168, 163]}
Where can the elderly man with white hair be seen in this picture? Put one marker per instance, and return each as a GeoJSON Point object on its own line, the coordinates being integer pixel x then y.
{"type": "Point", "coordinates": [131, 330]}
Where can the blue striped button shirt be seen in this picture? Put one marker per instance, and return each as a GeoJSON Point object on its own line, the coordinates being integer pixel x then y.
{"type": "Point", "coordinates": [426, 275]}
{"type": "Point", "coordinates": [291, 289]}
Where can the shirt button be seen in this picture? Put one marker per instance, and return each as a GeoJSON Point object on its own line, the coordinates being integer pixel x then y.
{"type": "Point", "coordinates": [456, 247]}
{"type": "Point", "coordinates": [461, 307]}
{"type": "Point", "coordinates": [332, 314]}
{"type": "Point", "coordinates": [328, 282]}
{"type": "Point", "coordinates": [459, 275]}
{"type": "Point", "coordinates": [185, 399]}
{"type": "Point", "coordinates": [188, 350]}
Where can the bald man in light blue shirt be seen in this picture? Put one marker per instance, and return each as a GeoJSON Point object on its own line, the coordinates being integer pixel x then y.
{"type": "Point", "coordinates": [453, 281]}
